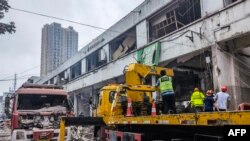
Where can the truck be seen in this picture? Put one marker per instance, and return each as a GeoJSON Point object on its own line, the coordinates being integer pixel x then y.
{"type": "Point", "coordinates": [139, 118]}
{"type": "Point", "coordinates": [36, 112]}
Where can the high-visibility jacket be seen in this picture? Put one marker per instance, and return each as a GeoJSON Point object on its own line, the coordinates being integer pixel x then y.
{"type": "Point", "coordinates": [197, 99]}
{"type": "Point", "coordinates": [166, 84]}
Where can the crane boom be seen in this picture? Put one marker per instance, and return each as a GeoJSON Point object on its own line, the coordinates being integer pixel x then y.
{"type": "Point", "coordinates": [136, 73]}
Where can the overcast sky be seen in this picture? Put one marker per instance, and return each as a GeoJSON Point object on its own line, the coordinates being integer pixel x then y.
{"type": "Point", "coordinates": [20, 52]}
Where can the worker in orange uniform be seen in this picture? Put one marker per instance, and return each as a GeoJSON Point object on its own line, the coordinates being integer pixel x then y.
{"type": "Point", "coordinates": [167, 92]}
{"type": "Point", "coordinates": [222, 98]}
{"type": "Point", "coordinates": [197, 100]}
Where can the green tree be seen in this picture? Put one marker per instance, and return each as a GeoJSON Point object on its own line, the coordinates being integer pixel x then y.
{"type": "Point", "coordinates": [5, 27]}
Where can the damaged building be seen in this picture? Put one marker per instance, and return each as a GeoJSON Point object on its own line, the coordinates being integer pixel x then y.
{"type": "Point", "coordinates": [206, 42]}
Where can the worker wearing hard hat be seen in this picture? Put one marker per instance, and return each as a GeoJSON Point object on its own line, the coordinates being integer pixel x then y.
{"type": "Point", "coordinates": [222, 98]}
{"type": "Point", "coordinates": [167, 92]}
{"type": "Point", "coordinates": [209, 101]}
{"type": "Point", "coordinates": [197, 100]}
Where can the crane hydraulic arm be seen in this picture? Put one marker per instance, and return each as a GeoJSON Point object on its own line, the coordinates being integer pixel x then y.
{"type": "Point", "coordinates": [136, 73]}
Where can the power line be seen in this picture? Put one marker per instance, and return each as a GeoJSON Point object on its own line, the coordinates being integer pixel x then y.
{"type": "Point", "coordinates": [20, 77]}
{"type": "Point", "coordinates": [13, 79]}
{"type": "Point", "coordinates": [21, 72]}
{"type": "Point", "coordinates": [62, 19]}
{"type": "Point", "coordinates": [28, 69]}
{"type": "Point", "coordinates": [96, 27]}
{"type": "Point", "coordinates": [75, 22]}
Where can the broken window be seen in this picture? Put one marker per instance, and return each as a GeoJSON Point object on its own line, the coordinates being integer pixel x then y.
{"type": "Point", "coordinates": [39, 101]}
{"type": "Point", "coordinates": [228, 2]}
{"type": "Point", "coordinates": [96, 59]}
{"type": "Point", "coordinates": [190, 71]}
{"type": "Point", "coordinates": [174, 16]}
{"type": "Point", "coordinates": [76, 70]}
{"type": "Point", "coordinates": [123, 44]}
{"type": "Point", "coordinates": [51, 81]}
{"type": "Point", "coordinates": [61, 78]}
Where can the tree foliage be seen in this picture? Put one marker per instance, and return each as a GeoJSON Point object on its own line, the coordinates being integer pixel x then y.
{"type": "Point", "coordinates": [5, 27]}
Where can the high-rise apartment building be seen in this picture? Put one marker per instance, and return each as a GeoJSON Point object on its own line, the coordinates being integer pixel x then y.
{"type": "Point", "coordinates": [58, 45]}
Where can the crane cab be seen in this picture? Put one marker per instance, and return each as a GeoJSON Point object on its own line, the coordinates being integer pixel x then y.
{"type": "Point", "coordinates": [113, 99]}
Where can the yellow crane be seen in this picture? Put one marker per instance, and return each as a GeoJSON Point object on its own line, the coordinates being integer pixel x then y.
{"type": "Point", "coordinates": [111, 118]}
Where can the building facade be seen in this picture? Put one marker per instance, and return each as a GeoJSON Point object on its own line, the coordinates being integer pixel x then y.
{"type": "Point", "coordinates": [1, 107]}
{"type": "Point", "coordinates": [6, 105]}
{"type": "Point", "coordinates": [206, 42]}
{"type": "Point", "coordinates": [58, 45]}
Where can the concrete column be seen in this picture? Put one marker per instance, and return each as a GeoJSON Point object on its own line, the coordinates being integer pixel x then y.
{"type": "Point", "coordinates": [155, 95]}
{"type": "Point", "coordinates": [106, 51]}
{"type": "Point", "coordinates": [210, 6]}
{"type": "Point", "coordinates": [221, 63]}
{"type": "Point", "coordinates": [242, 64]}
{"type": "Point", "coordinates": [90, 106]}
{"type": "Point", "coordinates": [83, 63]}
{"type": "Point", "coordinates": [225, 73]}
{"type": "Point", "coordinates": [75, 105]}
{"type": "Point", "coordinates": [141, 34]}
{"type": "Point", "coordinates": [203, 85]}
{"type": "Point", "coordinates": [90, 110]}
{"type": "Point", "coordinates": [235, 83]}
{"type": "Point", "coordinates": [82, 104]}
{"type": "Point", "coordinates": [69, 74]}
{"type": "Point", "coordinates": [241, 79]}
{"type": "Point", "coordinates": [56, 80]}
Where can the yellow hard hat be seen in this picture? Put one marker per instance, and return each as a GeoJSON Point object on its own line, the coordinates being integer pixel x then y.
{"type": "Point", "coordinates": [196, 89]}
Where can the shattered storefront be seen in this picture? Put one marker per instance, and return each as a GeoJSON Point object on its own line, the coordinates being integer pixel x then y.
{"type": "Point", "coordinates": [224, 63]}
{"type": "Point", "coordinates": [207, 68]}
{"type": "Point", "coordinates": [190, 70]}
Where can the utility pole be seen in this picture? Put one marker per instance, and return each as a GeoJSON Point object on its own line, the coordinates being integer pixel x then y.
{"type": "Point", "coordinates": [14, 87]}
